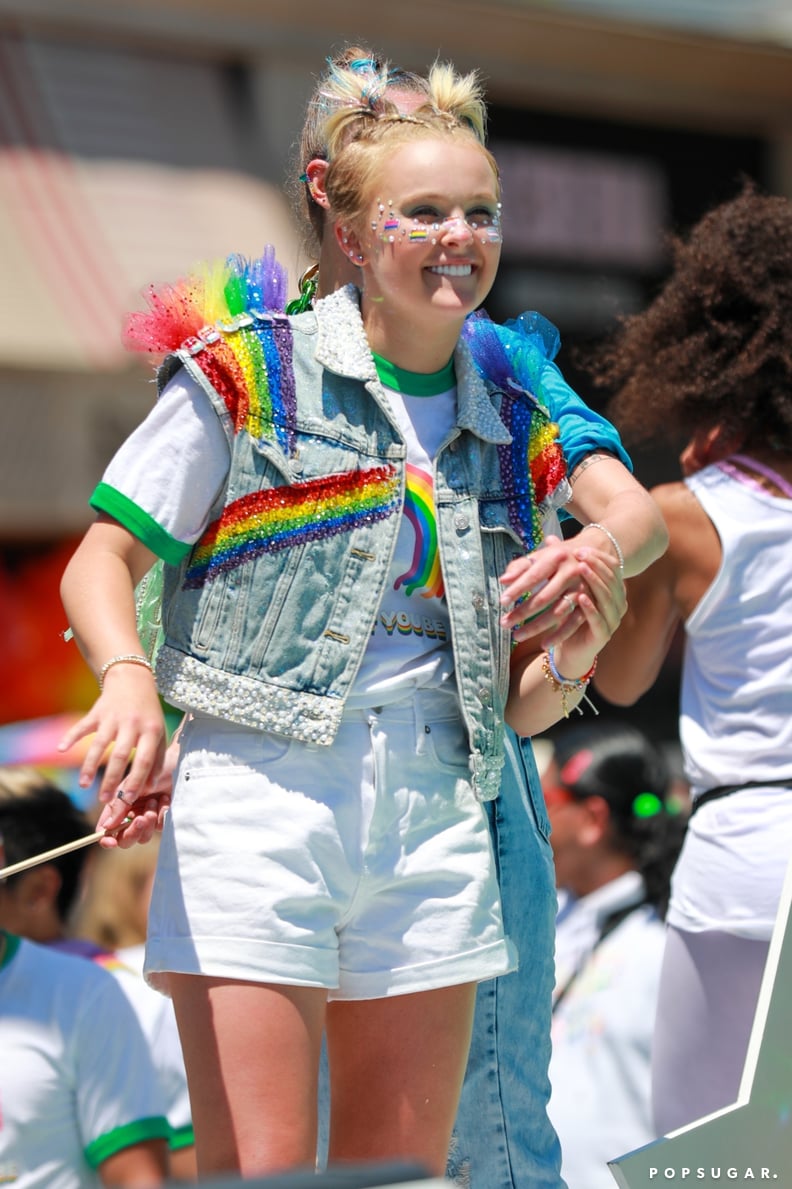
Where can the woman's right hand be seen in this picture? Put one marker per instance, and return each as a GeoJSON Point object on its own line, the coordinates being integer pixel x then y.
{"type": "Point", "coordinates": [126, 720]}
{"type": "Point", "coordinates": [129, 732]}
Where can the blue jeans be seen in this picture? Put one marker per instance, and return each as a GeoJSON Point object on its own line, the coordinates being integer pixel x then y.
{"type": "Point", "coordinates": [503, 1138]}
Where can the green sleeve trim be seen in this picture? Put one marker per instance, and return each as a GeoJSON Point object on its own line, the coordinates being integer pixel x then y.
{"type": "Point", "coordinates": [182, 1137]}
{"type": "Point", "coordinates": [11, 947]}
{"type": "Point", "coordinates": [138, 1132]}
{"type": "Point", "coordinates": [144, 527]}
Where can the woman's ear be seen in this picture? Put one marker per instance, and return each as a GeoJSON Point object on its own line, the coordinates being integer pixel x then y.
{"type": "Point", "coordinates": [316, 172]}
{"type": "Point", "coordinates": [595, 820]}
{"type": "Point", "coordinates": [349, 243]}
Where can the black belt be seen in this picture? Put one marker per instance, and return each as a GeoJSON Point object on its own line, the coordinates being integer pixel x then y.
{"type": "Point", "coordinates": [725, 790]}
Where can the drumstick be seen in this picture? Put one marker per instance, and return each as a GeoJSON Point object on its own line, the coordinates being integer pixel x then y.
{"type": "Point", "coordinates": [48, 855]}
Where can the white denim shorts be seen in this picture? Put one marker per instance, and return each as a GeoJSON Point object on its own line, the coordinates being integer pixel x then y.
{"type": "Point", "coordinates": [365, 868]}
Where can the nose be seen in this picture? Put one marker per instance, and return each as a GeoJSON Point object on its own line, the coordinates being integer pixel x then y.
{"type": "Point", "coordinates": [456, 230]}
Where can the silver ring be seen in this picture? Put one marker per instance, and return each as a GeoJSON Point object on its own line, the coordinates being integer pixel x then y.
{"type": "Point", "coordinates": [572, 603]}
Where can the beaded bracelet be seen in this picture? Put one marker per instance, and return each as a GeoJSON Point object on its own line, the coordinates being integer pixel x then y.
{"type": "Point", "coordinates": [128, 658]}
{"type": "Point", "coordinates": [567, 685]}
{"type": "Point", "coordinates": [574, 682]}
{"type": "Point", "coordinates": [612, 540]}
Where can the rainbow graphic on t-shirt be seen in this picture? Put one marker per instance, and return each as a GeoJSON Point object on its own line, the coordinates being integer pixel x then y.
{"type": "Point", "coordinates": [424, 574]}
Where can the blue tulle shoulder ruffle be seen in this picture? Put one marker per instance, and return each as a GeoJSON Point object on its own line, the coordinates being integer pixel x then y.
{"type": "Point", "coordinates": [515, 351]}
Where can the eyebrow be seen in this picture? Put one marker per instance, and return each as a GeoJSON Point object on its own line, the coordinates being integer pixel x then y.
{"type": "Point", "coordinates": [443, 199]}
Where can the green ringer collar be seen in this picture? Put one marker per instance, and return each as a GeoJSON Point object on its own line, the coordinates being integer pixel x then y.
{"type": "Point", "coordinates": [415, 383]}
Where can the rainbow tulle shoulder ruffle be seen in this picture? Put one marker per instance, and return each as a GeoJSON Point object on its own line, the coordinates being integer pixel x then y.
{"type": "Point", "coordinates": [214, 294]}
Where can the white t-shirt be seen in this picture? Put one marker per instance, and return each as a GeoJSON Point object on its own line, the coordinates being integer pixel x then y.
{"type": "Point", "coordinates": [410, 647]}
{"type": "Point", "coordinates": [600, 1069]}
{"type": "Point", "coordinates": [158, 1021]}
{"type": "Point", "coordinates": [77, 1083]}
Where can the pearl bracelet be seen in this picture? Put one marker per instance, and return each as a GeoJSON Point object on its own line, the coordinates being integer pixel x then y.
{"type": "Point", "coordinates": [612, 540]}
{"type": "Point", "coordinates": [128, 658]}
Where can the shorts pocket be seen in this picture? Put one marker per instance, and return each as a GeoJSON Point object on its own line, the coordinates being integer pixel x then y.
{"type": "Point", "coordinates": [210, 745]}
{"type": "Point", "coordinates": [446, 743]}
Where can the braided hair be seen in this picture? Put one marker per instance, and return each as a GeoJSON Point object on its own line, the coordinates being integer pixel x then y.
{"type": "Point", "coordinates": [358, 138]}
{"type": "Point", "coordinates": [356, 76]}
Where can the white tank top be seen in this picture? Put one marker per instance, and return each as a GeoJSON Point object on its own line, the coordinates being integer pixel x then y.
{"type": "Point", "coordinates": [736, 698]}
{"type": "Point", "coordinates": [736, 716]}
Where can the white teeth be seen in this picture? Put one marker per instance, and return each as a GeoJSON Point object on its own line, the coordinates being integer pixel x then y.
{"type": "Point", "coordinates": [452, 270]}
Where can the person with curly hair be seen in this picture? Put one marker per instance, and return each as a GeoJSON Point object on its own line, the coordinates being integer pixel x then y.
{"type": "Point", "coordinates": [713, 353]}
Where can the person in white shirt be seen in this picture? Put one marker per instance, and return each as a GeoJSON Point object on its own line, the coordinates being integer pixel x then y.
{"type": "Point", "coordinates": [80, 1106]}
{"type": "Point", "coordinates": [39, 904]}
{"type": "Point", "coordinates": [713, 353]}
{"type": "Point", "coordinates": [614, 844]}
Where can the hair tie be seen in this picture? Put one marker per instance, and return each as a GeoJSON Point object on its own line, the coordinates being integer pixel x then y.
{"type": "Point", "coordinates": [647, 805]}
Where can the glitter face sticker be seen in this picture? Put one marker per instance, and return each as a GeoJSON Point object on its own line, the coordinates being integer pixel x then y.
{"type": "Point", "coordinates": [428, 224]}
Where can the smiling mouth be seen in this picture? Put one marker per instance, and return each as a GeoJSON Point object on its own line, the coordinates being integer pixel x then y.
{"type": "Point", "coordinates": [452, 270]}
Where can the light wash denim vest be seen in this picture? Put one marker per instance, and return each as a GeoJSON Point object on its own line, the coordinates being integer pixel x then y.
{"type": "Point", "coordinates": [267, 619]}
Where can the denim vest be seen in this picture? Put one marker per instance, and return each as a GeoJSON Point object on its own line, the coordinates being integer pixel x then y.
{"type": "Point", "coordinates": [267, 619]}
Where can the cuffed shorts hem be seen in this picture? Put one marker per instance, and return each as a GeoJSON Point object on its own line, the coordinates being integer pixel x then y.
{"type": "Point", "coordinates": [301, 966]}
{"type": "Point", "coordinates": [475, 966]}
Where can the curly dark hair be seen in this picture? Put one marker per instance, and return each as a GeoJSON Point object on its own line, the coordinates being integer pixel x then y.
{"type": "Point", "coordinates": [715, 345]}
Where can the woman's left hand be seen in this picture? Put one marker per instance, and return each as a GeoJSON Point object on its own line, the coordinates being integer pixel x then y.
{"type": "Point", "coordinates": [130, 819]}
{"type": "Point", "coordinates": [600, 607]}
{"type": "Point", "coordinates": [551, 582]}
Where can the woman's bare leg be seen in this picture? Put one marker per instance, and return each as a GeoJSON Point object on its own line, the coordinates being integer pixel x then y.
{"type": "Point", "coordinates": [252, 1055]}
{"type": "Point", "coordinates": [396, 1072]}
